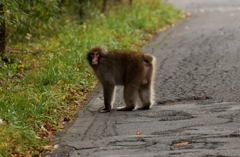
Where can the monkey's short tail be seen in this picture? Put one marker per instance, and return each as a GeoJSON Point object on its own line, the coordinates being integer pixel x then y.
{"type": "Point", "coordinates": [149, 58]}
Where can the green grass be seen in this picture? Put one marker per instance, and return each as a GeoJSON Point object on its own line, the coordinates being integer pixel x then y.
{"type": "Point", "coordinates": [41, 91]}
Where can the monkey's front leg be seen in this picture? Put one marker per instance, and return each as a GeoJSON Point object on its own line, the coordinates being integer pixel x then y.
{"type": "Point", "coordinates": [109, 96]}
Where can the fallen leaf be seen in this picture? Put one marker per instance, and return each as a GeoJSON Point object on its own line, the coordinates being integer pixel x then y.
{"type": "Point", "coordinates": [79, 65]}
{"type": "Point", "coordinates": [14, 51]}
{"type": "Point", "coordinates": [120, 37]}
{"type": "Point", "coordinates": [48, 125]}
{"type": "Point", "coordinates": [181, 143]}
{"type": "Point", "coordinates": [188, 14]}
{"type": "Point", "coordinates": [133, 46]}
{"type": "Point", "coordinates": [138, 133]}
{"type": "Point", "coordinates": [53, 130]}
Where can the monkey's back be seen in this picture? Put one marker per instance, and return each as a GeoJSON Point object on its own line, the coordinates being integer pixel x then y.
{"type": "Point", "coordinates": [127, 66]}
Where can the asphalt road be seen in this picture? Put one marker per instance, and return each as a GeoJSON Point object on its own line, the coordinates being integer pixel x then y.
{"type": "Point", "coordinates": [197, 110]}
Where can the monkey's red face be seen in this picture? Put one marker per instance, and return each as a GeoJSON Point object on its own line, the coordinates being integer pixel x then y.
{"type": "Point", "coordinates": [95, 57]}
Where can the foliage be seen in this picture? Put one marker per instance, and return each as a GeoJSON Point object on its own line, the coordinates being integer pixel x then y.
{"type": "Point", "coordinates": [44, 77]}
{"type": "Point", "coordinates": [25, 17]}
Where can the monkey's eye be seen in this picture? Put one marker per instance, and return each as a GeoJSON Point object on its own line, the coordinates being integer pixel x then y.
{"type": "Point", "coordinates": [95, 54]}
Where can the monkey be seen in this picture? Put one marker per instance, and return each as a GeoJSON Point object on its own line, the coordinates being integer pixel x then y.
{"type": "Point", "coordinates": [131, 69]}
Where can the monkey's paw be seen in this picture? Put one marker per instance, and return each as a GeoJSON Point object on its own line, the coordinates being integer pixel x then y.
{"type": "Point", "coordinates": [103, 110]}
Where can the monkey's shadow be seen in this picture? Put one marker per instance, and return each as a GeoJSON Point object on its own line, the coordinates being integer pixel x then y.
{"type": "Point", "coordinates": [119, 100]}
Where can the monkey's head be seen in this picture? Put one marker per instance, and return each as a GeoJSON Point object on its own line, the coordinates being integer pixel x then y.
{"type": "Point", "coordinates": [95, 53]}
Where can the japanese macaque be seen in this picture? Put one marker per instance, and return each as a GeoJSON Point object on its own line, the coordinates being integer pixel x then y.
{"type": "Point", "coordinates": [134, 70]}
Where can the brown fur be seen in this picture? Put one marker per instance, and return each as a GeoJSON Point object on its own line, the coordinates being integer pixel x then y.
{"type": "Point", "coordinates": [134, 70]}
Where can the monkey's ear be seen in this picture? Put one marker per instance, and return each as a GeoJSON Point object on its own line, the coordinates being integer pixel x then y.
{"type": "Point", "coordinates": [104, 51]}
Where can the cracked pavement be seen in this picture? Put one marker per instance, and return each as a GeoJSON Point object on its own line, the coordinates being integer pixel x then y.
{"type": "Point", "coordinates": [197, 110]}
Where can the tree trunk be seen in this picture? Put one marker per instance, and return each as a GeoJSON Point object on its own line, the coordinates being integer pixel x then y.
{"type": "Point", "coordinates": [118, 1]}
{"type": "Point", "coordinates": [2, 31]}
{"type": "Point", "coordinates": [130, 2]}
{"type": "Point", "coordinates": [81, 10]}
{"type": "Point", "coordinates": [104, 6]}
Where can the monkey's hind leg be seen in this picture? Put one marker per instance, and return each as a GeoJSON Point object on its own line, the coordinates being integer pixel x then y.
{"type": "Point", "coordinates": [130, 95]}
{"type": "Point", "coordinates": [109, 96]}
{"type": "Point", "coordinates": [146, 96]}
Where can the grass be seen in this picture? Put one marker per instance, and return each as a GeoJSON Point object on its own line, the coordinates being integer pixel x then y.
{"type": "Point", "coordinates": [41, 90]}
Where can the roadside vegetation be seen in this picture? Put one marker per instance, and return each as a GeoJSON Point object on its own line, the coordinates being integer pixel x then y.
{"type": "Point", "coordinates": [43, 73]}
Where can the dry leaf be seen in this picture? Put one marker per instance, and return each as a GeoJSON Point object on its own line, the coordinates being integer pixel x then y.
{"type": "Point", "coordinates": [48, 125]}
{"type": "Point", "coordinates": [133, 46]}
{"type": "Point", "coordinates": [138, 133]}
{"type": "Point", "coordinates": [181, 143]}
{"type": "Point", "coordinates": [188, 14]}
{"type": "Point", "coordinates": [79, 65]}
{"type": "Point", "coordinates": [120, 37]}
